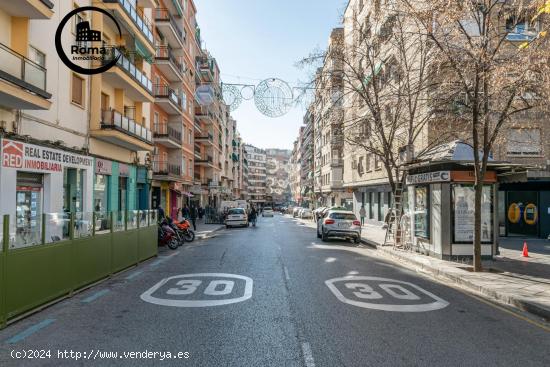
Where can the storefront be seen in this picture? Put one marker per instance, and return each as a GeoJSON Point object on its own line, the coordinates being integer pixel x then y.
{"type": "Point", "coordinates": [375, 199]}
{"type": "Point", "coordinates": [142, 189]}
{"type": "Point", "coordinates": [524, 205]}
{"type": "Point", "coordinates": [37, 179]}
{"type": "Point", "coordinates": [115, 186]}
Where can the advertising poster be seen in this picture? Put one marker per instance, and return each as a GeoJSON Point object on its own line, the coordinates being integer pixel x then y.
{"type": "Point", "coordinates": [464, 202]}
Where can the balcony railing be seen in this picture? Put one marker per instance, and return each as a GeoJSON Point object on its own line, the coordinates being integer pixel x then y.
{"type": "Point", "coordinates": [165, 53]}
{"type": "Point", "coordinates": [166, 168]}
{"type": "Point", "coordinates": [166, 131]}
{"type": "Point", "coordinates": [164, 91]}
{"type": "Point", "coordinates": [19, 70]}
{"type": "Point", "coordinates": [204, 137]}
{"type": "Point", "coordinates": [163, 15]}
{"type": "Point", "coordinates": [112, 119]}
{"type": "Point", "coordinates": [142, 23]}
{"type": "Point", "coordinates": [205, 159]}
{"type": "Point", "coordinates": [129, 68]}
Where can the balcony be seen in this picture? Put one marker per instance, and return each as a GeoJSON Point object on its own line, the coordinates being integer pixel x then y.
{"type": "Point", "coordinates": [137, 86]}
{"type": "Point", "coordinates": [134, 20]}
{"type": "Point", "coordinates": [167, 99]}
{"type": "Point", "coordinates": [167, 136]}
{"type": "Point", "coordinates": [22, 82]}
{"type": "Point", "coordinates": [123, 131]}
{"type": "Point", "coordinates": [205, 67]}
{"type": "Point", "coordinates": [336, 162]}
{"type": "Point", "coordinates": [197, 126]}
{"type": "Point", "coordinates": [166, 169]}
{"type": "Point", "coordinates": [204, 115]}
{"type": "Point", "coordinates": [207, 139]}
{"type": "Point", "coordinates": [169, 64]}
{"type": "Point", "coordinates": [205, 161]}
{"type": "Point", "coordinates": [197, 151]}
{"type": "Point", "coordinates": [337, 140]}
{"type": "Point", "coordinates": [32, 9]}
{"type": "Point", "coordinates": [168, 26]}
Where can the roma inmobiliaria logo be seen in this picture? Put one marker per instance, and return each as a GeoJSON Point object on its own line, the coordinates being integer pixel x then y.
{"type": "Point", "coordinates": [88, 45]}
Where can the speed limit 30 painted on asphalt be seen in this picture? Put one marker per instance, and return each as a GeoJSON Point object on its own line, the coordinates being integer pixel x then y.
{"type": "Point", "coordinates": [200, 290]}
{"type": "Point", "coordinates": [384, 294]}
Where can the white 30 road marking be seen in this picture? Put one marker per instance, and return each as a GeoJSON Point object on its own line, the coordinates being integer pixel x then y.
{"type": "Point", "coordinates": [393, 289]}
{"type": "Point", "coordinates": [219, 286]}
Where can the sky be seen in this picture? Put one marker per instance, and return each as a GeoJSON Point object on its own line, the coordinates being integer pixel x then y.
{"type": "Point", "coordinates": [253, 40]}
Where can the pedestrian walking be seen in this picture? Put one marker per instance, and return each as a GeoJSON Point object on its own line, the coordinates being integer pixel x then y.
{"type": "Point", "coordinates": [201, 212]}
{"type": "Point", "coordinates": [362, 214]}
{"type": "Point", "coordinates": [193, 216]}
{"type": "Point", "coordinates": [185, 211]}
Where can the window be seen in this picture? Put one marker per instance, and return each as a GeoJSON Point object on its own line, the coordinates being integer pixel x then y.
{"type": "Point", "coordinates": [524, 142]}
{"type": "Point", "coordinates": [520, 29]}
{"type": "Point", "coordinates": [421, 212]}
{"type": "Point", "coordinates": [37, 56]}
{"type": "Point", "coordinates": [77, 95]}
{"type": "Point", "coordinates": [377, 163]}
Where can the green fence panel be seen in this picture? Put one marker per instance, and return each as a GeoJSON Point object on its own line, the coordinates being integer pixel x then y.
{"type": "Point", "coordinates": [37, 275]}
{"type": "Point", "coordinates": [147, 242]}
{"type": "Point", "coordinates": [124, 249]}
{"type": "Point", "coordinates": [5, 228]}
{"type": "Point", "coordinates": [92, 259]}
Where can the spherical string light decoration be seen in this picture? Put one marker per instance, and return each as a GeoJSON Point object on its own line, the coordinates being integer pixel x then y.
{"type": "Point", "coordinates": [273, 97]}
{"type": "Point", "coordinates": [231, 96]}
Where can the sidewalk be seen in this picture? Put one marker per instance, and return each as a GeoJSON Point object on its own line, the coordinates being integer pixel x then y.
{"type": "Point", "coordinates": [514, 280]}
{"type": "Point", "coordinates": [206, 230]}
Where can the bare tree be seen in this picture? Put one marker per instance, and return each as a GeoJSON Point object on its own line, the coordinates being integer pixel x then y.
{"type": "Point", "coordinates": [492, 58]}
{"type": "Point", "coordinates": [384, 66]}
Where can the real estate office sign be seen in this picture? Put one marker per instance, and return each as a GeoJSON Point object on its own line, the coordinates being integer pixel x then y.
{"type": "Point", "coordinates": [31, 157]}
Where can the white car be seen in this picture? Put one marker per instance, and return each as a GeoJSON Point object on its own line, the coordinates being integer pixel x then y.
{"type": "Point", "coordinates": [339, 223]}
{"type": "Point", "coordinates": [267, 212]}
{"type": "Point", "coordinates": [306, 213]}
{"type": "Point", "coordinates": [236, 217]}
{"type": "Point", "coordinates": [295, 211]}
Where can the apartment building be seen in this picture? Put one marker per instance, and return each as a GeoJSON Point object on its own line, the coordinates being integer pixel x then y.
{"type": "Point", "coordinates": [295, 169]}
{"type": "Point", "coordinates": [328, 128]}
{"type": "Point", "coordinates": [257, 176]}
{"type": "Point", "coordinates": [307, 159]}
{"type": "Point", "coordinates": [172, 114]}
{"type": "Point", "coordinates": [210, 120]}
{"type": "Point", "coordinates": [43, 122]}
{"type": "Point", "coordinates": [524, 141]}
{"type": "Point", "coordinates": [277, 176]}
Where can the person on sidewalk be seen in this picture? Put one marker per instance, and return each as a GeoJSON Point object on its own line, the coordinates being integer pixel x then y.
{"type": "Point", "coordinates": [185, 211]}
{"type": "Point", "coordinates": [193, 216]}
{"type": "Point", "coordinates": [362, 214]}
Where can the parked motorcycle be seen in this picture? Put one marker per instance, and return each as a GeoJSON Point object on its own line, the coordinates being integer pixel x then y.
{"type": "Point", "coordinates": [185, 227]}
{"type": "Point", "coordinates": [178, 233]}
{"type": "Point", "coordinates": [166, 235]}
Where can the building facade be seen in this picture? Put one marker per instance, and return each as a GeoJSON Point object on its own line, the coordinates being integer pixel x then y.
{"type": "Point", "coordinates": [277, 176]}
{"type": "Point", "coordinates": [328, 117]}
{"type": "Point", "coordinates": [257, 175]}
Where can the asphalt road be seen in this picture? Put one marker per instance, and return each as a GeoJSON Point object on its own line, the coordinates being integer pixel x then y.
{"type": "Point", "coordinates": [283, 311]}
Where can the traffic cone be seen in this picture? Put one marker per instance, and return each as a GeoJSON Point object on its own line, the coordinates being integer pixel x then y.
{"type": "Point", "coordinates": [525, 252]}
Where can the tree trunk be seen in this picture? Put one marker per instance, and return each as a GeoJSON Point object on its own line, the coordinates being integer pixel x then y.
{"type": "Point", "coordinates": [477, 223]}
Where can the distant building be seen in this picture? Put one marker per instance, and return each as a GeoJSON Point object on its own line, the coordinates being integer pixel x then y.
{"type": "Point", "coordinates": [278, 176]}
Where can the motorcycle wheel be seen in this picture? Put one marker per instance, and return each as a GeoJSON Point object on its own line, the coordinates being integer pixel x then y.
{"type": "Point", "coordinates": [189, 236]}
{"type": "Point", "coordinates": [173, 243]}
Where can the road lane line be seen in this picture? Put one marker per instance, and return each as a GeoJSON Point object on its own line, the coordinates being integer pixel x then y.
{"type": "Point", "coordinates": [308, 356]}
{"type": "Point", "coordinates": [286, 273]}
{"type": "Point", "coordinates": [31, 330]}
{"type": "Point", "coordinates": [95, 296]}
{"type": "Point", "coordinates": [134, 274]}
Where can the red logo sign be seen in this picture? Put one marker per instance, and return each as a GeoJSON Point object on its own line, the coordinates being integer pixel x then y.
{"type": "Point", "coordinates": [12, 154]}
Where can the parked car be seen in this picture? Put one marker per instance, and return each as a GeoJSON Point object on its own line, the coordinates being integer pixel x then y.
{"type": "Point", "coordinates": [236, 217]}
{"type": "Point", "coordinates": [306, 213]}
{"type": "Point", "coordinates": [339, 223]}
{"type": "Point", "coordinates": [267, 212]}
{"type": "Point", "coordinates": [295, 211]}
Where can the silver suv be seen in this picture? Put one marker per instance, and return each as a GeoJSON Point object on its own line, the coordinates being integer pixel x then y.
{"type": "Point", "coordinates": [339, 223]}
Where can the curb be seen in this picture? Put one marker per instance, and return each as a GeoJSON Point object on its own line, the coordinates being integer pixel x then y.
{"type": "Point", "coordinates": [528, 306]}
{"type": "Point", "coordinates": [209, 235]}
